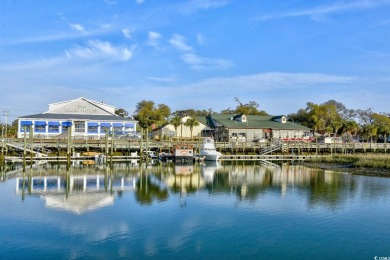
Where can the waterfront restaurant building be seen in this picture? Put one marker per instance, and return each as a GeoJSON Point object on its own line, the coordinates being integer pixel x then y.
{"type": "Point", "coordinates": [88, 119]}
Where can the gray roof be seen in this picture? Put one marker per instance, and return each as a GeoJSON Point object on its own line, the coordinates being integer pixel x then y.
{"type": "Point", "coordinates": [256, 122]}
{"type": "Point", "coordinates": [53, 116]}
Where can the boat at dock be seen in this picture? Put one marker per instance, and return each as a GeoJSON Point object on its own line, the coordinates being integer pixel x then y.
{"type": "Point", "coordinates": [165, 157]}
{"type": "Point", "coordinates": [183, 154]}
{"type": "Point", "coordinates": [208, 150]}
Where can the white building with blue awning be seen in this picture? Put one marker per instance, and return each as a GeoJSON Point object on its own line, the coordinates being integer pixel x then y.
{"type": "Point", "coordinates": [86, 118]}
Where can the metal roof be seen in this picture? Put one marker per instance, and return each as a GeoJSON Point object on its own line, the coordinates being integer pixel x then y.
{"type": "Point", "coordinates": [256, 122]}
{"type": "Point", "coordinates": [53, 116]}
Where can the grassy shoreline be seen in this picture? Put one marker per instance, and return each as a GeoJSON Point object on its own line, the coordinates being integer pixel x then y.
{"type": "Point", "coordinates": [359, 164]}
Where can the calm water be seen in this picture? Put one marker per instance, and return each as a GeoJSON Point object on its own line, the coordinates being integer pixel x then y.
{"type": "Point", "coordinates": [201, 211]}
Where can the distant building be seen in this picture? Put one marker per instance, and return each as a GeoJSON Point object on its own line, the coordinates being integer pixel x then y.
{"type": "Point", "coordinates": [255, 127]}
{"type": "Point", "coordinates": [168, 130]}
{"type": "Point", "coordinates": [88, 119]}
{"type": "Point", "coordinates": [244, 128]}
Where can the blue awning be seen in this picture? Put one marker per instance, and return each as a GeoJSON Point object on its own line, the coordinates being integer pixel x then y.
{"type": "Point", "coordinates": [92, 124]}
{"type": "Point", "coordinates": [40, 123]}
{"type": "Point", "coordinates": [54, 123]}
{"type": "Point", "coordinates": [118, 124]}
{"type": "Point", "coordinates": [68, 124]}
{"type": "Point", "coordinates": [129, 125]}
{"type": "Point", "coordinates": [105, 124]}
{"type": "Point", "coordinates": [25, 122]}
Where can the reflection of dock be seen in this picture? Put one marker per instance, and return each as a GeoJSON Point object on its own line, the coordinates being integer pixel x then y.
{"type": "Point", "coordinates": [86, 183]}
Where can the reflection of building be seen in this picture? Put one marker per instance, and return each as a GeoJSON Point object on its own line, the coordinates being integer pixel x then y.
{"type": "Point", "coordinates": [184, 178]}
{"type": "Point", "coordinates": [77, 194]}
{"type": "Point", "coordinates": [87, 118]}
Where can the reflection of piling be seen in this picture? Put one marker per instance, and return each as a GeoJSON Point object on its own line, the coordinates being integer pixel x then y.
{"type": "Point", "coordinates": [67, 188]}
{"type": "Point", "coordinates": [23, 183]}
{"type": "Point", "coordinates": [106, 180]}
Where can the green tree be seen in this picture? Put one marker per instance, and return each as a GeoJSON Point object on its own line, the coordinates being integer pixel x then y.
{"type": "Point", "coordinates": [382, 123]}
{"type": "Point", "coordinates": [121, 112]}
{"type": "Point", "coordinates": [248, 109]}
{"type": "Point", "coordinates": [350, 127]}
{"type": "Point", "coordinates": [176, 122]}
{"type": "Point", "coordinates": [148, 113]}
{"type": "Point", "coordinates": [191, 123]}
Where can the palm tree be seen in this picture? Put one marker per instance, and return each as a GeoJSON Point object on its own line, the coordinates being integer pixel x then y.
{"type": "Point", "coordinates": [176, 122]}
{"type": "Point", "coordinates": [191, 123]}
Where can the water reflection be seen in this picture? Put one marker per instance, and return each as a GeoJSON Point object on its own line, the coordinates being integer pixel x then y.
{"type": "Point", "coordinates": [84, 188]}
{"type": "Point", "coordinates": [255, 209]}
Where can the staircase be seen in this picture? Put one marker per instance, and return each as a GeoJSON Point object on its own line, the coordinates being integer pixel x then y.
{"type": "Point", "coordinates": [27, 149]}
{"type": "Point", "coordinates": [271, 149]}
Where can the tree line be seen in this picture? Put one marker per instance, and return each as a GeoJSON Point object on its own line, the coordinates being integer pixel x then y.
{"type": "Point", "coordinates": [328, 118]}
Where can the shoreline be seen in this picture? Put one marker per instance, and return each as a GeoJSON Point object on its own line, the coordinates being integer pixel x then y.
{"type": "Point", "coordinates": [349, 168]}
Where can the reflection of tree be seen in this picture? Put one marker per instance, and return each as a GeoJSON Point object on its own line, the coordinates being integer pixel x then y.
{"type": "Point", "coordinates": [227, 182]}
{"type": "Point", "coordinates": [148, 191]}
{"type": "Point", "coordinates": [330, 192]}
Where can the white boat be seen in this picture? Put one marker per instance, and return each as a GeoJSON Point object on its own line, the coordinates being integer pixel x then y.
{"type": "Point", "coordinates": [208, 151]}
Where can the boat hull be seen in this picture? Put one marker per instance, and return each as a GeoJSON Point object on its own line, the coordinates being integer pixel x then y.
{"type": "Point", "coordinates": [211, 156]}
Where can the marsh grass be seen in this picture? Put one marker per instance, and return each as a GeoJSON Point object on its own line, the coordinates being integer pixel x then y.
{"type": "Point", "coordinates": [357, 160]}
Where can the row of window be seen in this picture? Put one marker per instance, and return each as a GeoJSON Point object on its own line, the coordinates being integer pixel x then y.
{"type": "Point", "coordinates": [79, 127]}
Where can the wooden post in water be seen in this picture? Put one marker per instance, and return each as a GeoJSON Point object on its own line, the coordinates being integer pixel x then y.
{"type": "Point", "coordinates": [112, 147]}
{"type": "Point", "coordinates": [24, 148]}
{"type": "Point", "coordinates": [2, 159]}
{"type": "Point", "coordinates": [106, 146]}
{"type": "Point", "coordinates": [31, 144]}
{"type": "Point", "coordinates": [68, 151]}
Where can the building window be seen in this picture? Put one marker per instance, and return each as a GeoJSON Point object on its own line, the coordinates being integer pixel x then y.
{"type": "Point", "coordinates": [117, 127]}
{"type": "Point", "coordinates": [92, 128]}
{"type": "Point", "coordinates": [39, 129]}
{"type": "Point", "coordinates": [65, 128]}
{"type": "Point", "coordinates": [79, 127]}
{"type": "Point", "coordinates": [27, 128]}
{"type": "Point", "coordinates": [105, 127]}
{"type": "Point", "coordinates": [54, 128]}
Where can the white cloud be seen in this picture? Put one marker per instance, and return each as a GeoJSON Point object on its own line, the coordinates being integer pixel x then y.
{"type": "Point", "coordinates": [178, 42]}
{"type": "Point", "coordinates": [194, 5]}
{"type": "Point", "coordinates": [110, 2]}
{"type": "Point", "coordinates": [200, 63]}
{"type": "Point", "coordinates": [207, 4]}
{"type": "Point", "coordinates": [154, 38]}
{"type": "Point", "coordinates": [200, 39]}
{"type": "Point", "coordinates": [163, 79]}
{"type": "Point", "coordinates": [126, 33]}
{"type": "Point", "coordinates": [98, 49]}
{"type": "Point", "coordinates": [328, 9]}
{"type": "Point", "coordinates": [276, 80]}
{"type": "Point", "coordinates": [139, 1]}
{"type": "Point", "coordinates": [77, 27]}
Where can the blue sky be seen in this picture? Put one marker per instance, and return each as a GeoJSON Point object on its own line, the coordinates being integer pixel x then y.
{"type": "Point", "coordinates": [196, 54]}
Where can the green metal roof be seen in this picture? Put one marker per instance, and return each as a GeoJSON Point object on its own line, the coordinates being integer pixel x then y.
{"type": "Point", "coordinates": [257, 122]}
